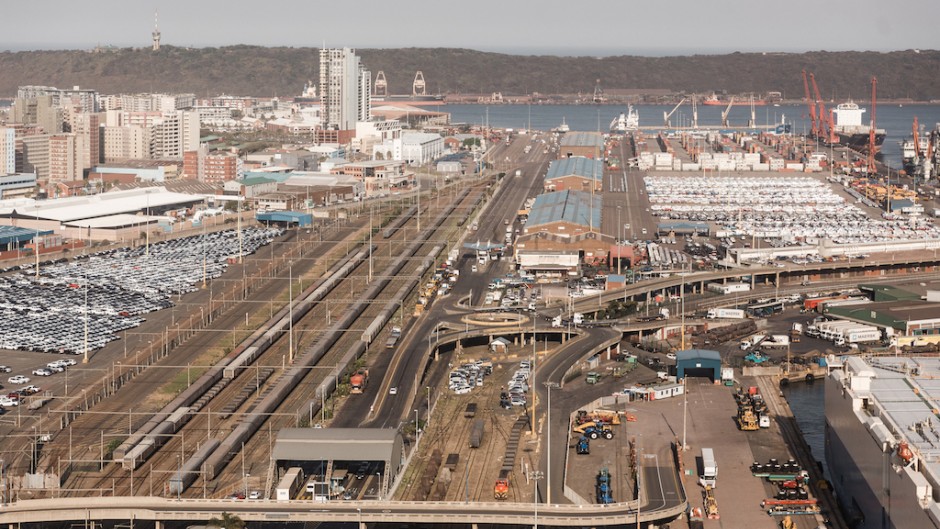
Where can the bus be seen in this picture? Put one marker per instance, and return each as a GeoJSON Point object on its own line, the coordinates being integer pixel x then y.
{"type": "Point", "coordinates": [763, 310]}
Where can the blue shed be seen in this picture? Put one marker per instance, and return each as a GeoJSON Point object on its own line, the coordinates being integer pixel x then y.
{"type": "Point", "coordinates": [698, 363]}
{"type": "Point", "coordinates": [286, 217]}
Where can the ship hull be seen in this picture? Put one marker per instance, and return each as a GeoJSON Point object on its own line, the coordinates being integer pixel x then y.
{"type": "Point", "coordinates": [858, 141]}
{"type": "Point", "coordinates": [715, 103]}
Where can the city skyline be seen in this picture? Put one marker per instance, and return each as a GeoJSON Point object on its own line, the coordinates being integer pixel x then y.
{"type": "Point", "coordinates": [609, 27]}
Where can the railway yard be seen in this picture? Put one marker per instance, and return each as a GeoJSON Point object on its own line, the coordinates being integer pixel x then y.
{"type": "Point", "coordinates": [192, 355]}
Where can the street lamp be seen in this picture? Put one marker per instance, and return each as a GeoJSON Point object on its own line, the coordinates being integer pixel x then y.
{"type": "Point", "coordinates": [548, 456]}
{"type": "Point", "coordinates": [535, 476]}
{"type": "Point", "coordinates": [359, 515]}
{"type": "Point", "coordinates": [179, 476]}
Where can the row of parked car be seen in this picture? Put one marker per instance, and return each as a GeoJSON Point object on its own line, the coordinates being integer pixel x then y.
{"type": "Point", "coordinates": [469, 375]}
{"type": "Point", "coordinates": [517, 387]}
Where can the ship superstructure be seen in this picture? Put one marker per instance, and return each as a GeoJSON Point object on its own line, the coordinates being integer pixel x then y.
{"type": "Point", "coordinates": [883, 440]}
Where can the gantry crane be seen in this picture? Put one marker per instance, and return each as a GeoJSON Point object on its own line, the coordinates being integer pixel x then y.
{"type": "Point", "coordinates": [825, 126]}
{"type": "Point", "coordinates": [811, 105]}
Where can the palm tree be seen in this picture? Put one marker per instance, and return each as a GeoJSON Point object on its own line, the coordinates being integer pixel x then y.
{"type": "Point", "coordinates": [228, 521]}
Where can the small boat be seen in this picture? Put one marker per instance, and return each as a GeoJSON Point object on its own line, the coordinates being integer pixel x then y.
{"type": "Point", "coordinates": [563, 127]}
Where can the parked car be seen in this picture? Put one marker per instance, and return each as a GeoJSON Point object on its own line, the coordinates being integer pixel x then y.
{"type": "Point", "coordinates": [42, 372]}
{"type": "Point", "coordinates": [5, 369]}
{"type": "Point", "coordinates": [7, 402]}
{"type": "Point", "coordinates": [18, 379]}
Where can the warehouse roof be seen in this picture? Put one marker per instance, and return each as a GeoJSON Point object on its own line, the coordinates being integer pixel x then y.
{"type": "Point", "coordinates": [11, 234]}
{"type": "Point", "coordinates": [121, 220]}
{"type": "Point", "coordinates": [577, 166]}
{"type": "Point", "coordinates": [889, 293]}
{"type": "Point", "coordinates": [583, 139]}
{"type": "Point", "coordinates": [86, 207]}
{"type": "Point", "coordinates": [896, 314]}
{"type": "Point", "coordinates": [256, 180]}
{"type": "Point", "coordinates": [698, 354]}
{"type": "Point", "coordinates": [290, 217]}
{"type": "Point", "coordinates": [576, 207]}
{"type": "Point", "coordinates": [337, 444]}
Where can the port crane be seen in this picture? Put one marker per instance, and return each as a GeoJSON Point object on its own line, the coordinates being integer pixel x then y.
{"type": "Point", "coordinates": [872, 168]}
{"type": "Point", "coordinates": [419, 87]}
{"type": "Point", "coordinates": [694, 112]}
{"type": "Point", "coordinates": [668, 115]}
{"type": "Point", "coordinates": [726, 111]}
{"type": "Point", "coordinates": [825, 126]}
{"type": "Point", "coordinates": [811, 106]}
{"type": "Point", "coordinates": [381, 85]}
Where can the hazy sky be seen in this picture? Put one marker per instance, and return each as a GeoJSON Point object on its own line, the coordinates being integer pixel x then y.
{"type": "Point", "coordinates": [569, 27]}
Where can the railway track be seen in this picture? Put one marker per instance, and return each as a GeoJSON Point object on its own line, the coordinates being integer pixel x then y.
{"type": "Point", "coordinates": [201, 426]}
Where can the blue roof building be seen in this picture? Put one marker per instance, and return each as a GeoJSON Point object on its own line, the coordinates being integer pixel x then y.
{"type": "Point", "coordinates": [576, 173]}
{"type": "Point", "coordinates": [571, 213]}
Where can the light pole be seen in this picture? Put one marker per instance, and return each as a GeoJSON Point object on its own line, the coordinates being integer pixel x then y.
{"type": "Point", "coordinates": [359, 516]}
{"type": "Point", "coordinates": [290, 317]}
{"type": "Point", "coordinates": [548, 454]}
{"type": "Point", "coordinates": [619, 242]}
{"type": "Point", "coordinates": [179, 475]}
{"type": "Point", "coordinates": [535, 476]}
{"type": "Point", "coordinates": [416, 426]}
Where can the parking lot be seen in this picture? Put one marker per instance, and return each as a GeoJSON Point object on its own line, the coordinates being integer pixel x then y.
{"type": "Point", "coordinates": [82, 304]}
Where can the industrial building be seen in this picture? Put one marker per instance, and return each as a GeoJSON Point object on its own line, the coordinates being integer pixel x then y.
{"type": "Point", "coordinates": [698, 363]}
{"type": "Point", "coordinates": [904, 318]}
{"type": "Point", "coordinates": [324, 453]}
{"type": "Point", "coordinates": [679, 227]}
{"type": "Point", "coordinates": [561, 223]}
{"type": "Point", "coordinates": [576, 173]}
{"type": "Point", "coordinates": [586, 144]}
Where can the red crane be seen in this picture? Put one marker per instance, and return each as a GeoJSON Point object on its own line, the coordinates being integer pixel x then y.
{"type": "Point", "coordinates": [810, 104]}
{"type": "Point", "coordinates": [827, 134]}
{"type": "Point", "coordinates": [916, 134]}
{"type": "Point", "coordinates": [872, 168]}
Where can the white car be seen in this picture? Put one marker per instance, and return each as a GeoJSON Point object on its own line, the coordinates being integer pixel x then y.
{"type": "Point", "coordinates": [7, 402]}
{"type": "Point", "coordinates": [42, 372]}
{"type": "Point", "coordinates": [671, 356]}
{"type": "Point", "coordinates": [393, 390]}
{"type": "Point", "coordinates": [18, 379]}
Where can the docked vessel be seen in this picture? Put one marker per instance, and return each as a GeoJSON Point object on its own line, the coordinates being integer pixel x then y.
{"type": "Point", "coordinates": [919, 152]}
{"type": "Point", "coordinates": [850, 130]}
{"type": "Point", "coordinates": [626, 122]}
{"type": "Point", "coordinates": [562, 128]}
{"type": "Point", "coordinates": [881, 440]}
{"type": "Point", "coordinates": [713, 100]}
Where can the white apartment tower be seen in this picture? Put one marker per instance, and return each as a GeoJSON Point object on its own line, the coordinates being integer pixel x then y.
{"type": "Point", "coordinates": [344, 89]}
{"type": "Point", "coordinates": [7, 150]}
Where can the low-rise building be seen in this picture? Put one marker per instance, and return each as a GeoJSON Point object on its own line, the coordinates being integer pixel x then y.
{"type": "Point", "coordinates": [250, 188]}
{"type": "Point", "coordinates": [576, 173]}
{"type": "Point", "coordinates": [587, 144]}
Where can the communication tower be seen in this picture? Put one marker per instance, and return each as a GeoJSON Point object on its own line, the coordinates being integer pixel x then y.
{"type": "Point", "coordinates": [156, 33]}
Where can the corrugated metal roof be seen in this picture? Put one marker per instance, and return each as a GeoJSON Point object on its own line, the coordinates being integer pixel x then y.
{"type": "Point", "coordinates": [576, 165]}
{"type": "Point", "coordinates": [256, 180]}
{"type": "Point", "coordinates": [86, 207]}
{"type": "Point", "coordinates": [9, 234]}
{"type": "Point", "coordinates": [582, 139]}
{"type": "Point", "coordinates": [338, 444]}
{"type": "Point", "coordinates": [698, 354]}
{"type": "Point", "coordinates": [576, 207]}
{"type": "Point", "coordinates": [896, 314]}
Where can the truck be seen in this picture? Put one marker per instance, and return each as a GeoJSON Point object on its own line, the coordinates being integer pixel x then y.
{"type": "Point", "coordinates": [501, 487]}
{"type": "Point", "coordinates": [357, 382]}
{"type": "Point", "coordinates": [593, 378]}
{"type": "Point", "coordinates": [752, 341]}
{"type": "Point", "coordinates": [709, 474]}
{"type": "Point", "coordinates": [289, 485]}
{"type": "Point", "coordinates": [727, 376]}
{"type": "Point", "coordinates": [594, 432]}
{"type": "Point", "coordinates": [777, 340]}
{"type": "Point", "coordinates": [795, 332]}
{"type": "Point", "coordinates": [476, 433]}
{"type": "Point", "coordinates": [724, 313]}
{"type": "Point", "coordinates": [393, 338]}
{"type": "Point", "coordinates": [663, 314]}
{"type": "Point", "coordinates": [518, 172]}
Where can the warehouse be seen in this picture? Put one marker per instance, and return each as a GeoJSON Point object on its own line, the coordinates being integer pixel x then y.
{"type": "Point", "coordinates": [328, 451]}
{"type": "Point", "coordinates": [565, 221]}
{"type": "Point", "coordinates": [575, 173]}
{"type": "Point", "coordinates": [698, 363]}
{"type": "Point", "coordinates": [587, 144]}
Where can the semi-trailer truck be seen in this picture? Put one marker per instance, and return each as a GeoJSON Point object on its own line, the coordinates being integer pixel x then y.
{"type": "Point", "coordinates": [724, 313]}
{"type": "Point", "coordinates": [709, 475]}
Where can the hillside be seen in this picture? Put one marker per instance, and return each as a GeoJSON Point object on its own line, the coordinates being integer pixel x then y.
{"type": "Point", "coordinates": [252, 70]}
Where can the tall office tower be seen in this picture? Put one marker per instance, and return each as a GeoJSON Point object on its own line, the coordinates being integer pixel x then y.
{"type": "Point", "coordinates": [344, 89]}
{"type": "Point", "coordinates": [7, 150]}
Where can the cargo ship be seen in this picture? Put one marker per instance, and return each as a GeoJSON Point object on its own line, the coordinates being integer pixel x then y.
{"type": "Point", "coordinates": [713, 100]}
{"type": "Point", "coordinates": [626, 122]}
{"type": "Point", "coordinates": [919, 155]}
{"type": "Point", "coordinates": [881, 440]}
{"type": "Point", "coordinates": [850, 130]}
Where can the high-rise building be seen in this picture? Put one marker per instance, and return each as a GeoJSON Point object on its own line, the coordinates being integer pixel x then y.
{"type": "Point", "coordinates": [344, 89]}
{"type": "Point", "coordinates": [86, 98]}
{"type": "Point", "coordinates": [216, 167]}
{"type": "Point", "coordinates": [7, 150]}
{"type": "Point", "coordinates": [128, 142]}
{"type": "Point", "coordinates": [51, 156]}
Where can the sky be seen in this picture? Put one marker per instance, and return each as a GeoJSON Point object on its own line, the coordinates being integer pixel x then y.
{"type": "Point", "coordinates": [543, 27]}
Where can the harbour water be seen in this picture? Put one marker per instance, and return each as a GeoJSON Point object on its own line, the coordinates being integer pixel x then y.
{"type": "Point", "coordinates": [895, 119]}
{"type": "Point", "coordinates": [806, 402]}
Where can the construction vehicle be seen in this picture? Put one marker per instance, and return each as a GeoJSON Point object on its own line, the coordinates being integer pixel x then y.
{"type": "Point", "coordinates": [756, 357]}
{"type": "Point", "coordinates": [711, 504]}
{"type": "Point", "coordinates": [593, 432]}
{"type": "Point", "coordinates": [501, 488]}
{"type": "Point", "coordinates": [598, 416]}
{"type": "Point", "coordinates": [790, 510]}
{"type": "Point", "coordinates": [746, 420]}
{"type": "Point", "coordinates": [787, 523]}
{"type": "Point", "coordinates": [357, 382]}
{"type": "Point", "coordinates": [583, 447]}
{"type": "Point", "coordinates": [604, 491]}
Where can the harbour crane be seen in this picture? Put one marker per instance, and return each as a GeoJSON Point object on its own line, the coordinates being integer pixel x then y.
{"type": "Point", "coordinates": [381, 85]}
{"type": "Point", "coordinates": [810, 104]}
{"type": "Point", "coordinates": [726, 111]}
{"type": "Point", "coordinates": [753, 121]}
{"type": "Point", "coordinates": [872, 168]}
{"type": "Point", "coordinates": [825, 126]}
{"type": "Point", "coordinates": [668, 115]}
{"type": "Point", "coordinates": [419, 87]}
{"type": "Point", "coordinates": [694, 112]}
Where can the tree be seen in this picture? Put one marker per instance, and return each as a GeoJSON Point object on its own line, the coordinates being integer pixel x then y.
{"type": "Point", "coordinates": [228, 521]}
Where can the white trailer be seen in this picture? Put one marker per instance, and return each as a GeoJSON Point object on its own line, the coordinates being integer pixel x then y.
{"type": "Point", "coordinates": [728, 288]}
{"type": "Point", "coordinates": [724, 313]}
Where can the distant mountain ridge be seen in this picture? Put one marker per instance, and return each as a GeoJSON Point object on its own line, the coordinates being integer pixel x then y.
{"type": "Point", "coordinates": [261, 71]}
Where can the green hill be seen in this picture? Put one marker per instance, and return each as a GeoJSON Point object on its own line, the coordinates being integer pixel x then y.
{"type": "Point", "coordinates": [252, 70]}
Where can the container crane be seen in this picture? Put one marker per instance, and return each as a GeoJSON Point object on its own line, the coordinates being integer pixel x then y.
{"type": "Point", "coordinates": [753, 121]}
{"type": "Point", "coordinates": [825, 126]}
{"type": "Point", "coordinates": [726, 111]}
{"type": "Point", "coordinates": [667, 115]}
{"type": "Point", "coordinates": [810, 104]}
{"type": "Point", "coordinates": [694, 112]}
{"type": "Point", "coordinates": [872, 168]}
